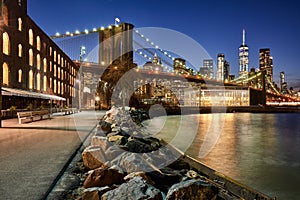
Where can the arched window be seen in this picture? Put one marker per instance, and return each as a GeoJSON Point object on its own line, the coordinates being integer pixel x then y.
{"type": "Point", "coordinates": [62, 88]}
{"type": "Point", "coordinates": [5, 74]}
{"type": "Point", "coordinates": [45, 83]}
{"type": "Point", "coordinates": [19, 24]}
{"type": "Point", "coordinates": [38, 43]}
{"type": "Point", "coordinates": [30, 79]}
{"type": "Point", "coordinates": [38, 81]}
{"type": "Point", "coordinates": [54, 54]}
{"type": "Point", "coordinates": [6, 43]}
{"type": "Point", "coordinates": [45, 64]}
{"type": "Point", "coordinates": [20, 76]}
{"type": "Point", "coordinates": [30, 57]}
{"type": "Point", "coordinates": [50, 66]}
{"type": "Point", "coordinates": [54, 85]}
{"type": "Point", "coordinates": [54, 70]}
{"type": "Point", "coordinates": [30, 35]}
{"type": "Point", "coordinates": [20, 49]}
{"type": "Point", "coordinates": [38, 61]}
{"type": "Point", "coordinates": [58, 87]}
{"type": "Point", "coordinates": [58, 59]}
{"type": "Point", "coordinates": [58, 70]}
{"type": "Point", "coordinates": [50, 83]}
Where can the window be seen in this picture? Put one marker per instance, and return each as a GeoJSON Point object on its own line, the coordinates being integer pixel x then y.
{"type": "Point", "coordinates": [54, 85]}
{"type": "Point", "coordinates": [58, 72]}
{"type": "Point", "coordinates": [38, 43]}
{"type": "Point", "coordinates": [58, 87]}
{"type": "Point", "coordinates": [45, 83]}
{"type": "Point", "coordinates": [30, 35]}
{"type": "Point", "coordinates": [20, 50]}
{"type": "Point", "coordinates": [30, 79]}
{"type": "Point", "coordinates": [38, 81]}
{"type": "Point", "coordinates": [20, 76]}
{"type": "Point", "coordinates": [50, 83]}
{"type": "Point", "coordinates": [50, 66]}
{"type": "Point", "coordinates": [19, 24]}
{"type": "Point", "coordinates": [38, 61]}
{"type": "Point", "coordinates": [5, 74]}
{"type": "Point", "coordinates": [30, 57]}
{"type": "Point", "coordinates": [45, 65]}
{"type": "Point", "coordinates": [6, 44]}
{"type": "Point", "coordinates": [58, 59]}
{"type": "Point", "coordinates": [20, 2]}
{"type": "Point", "coordinates": [50, 49]}
{"type": "Point", "coordinates": [54, 56]}
{"type": "Point", "coordinates": [5, 15]}
{"type": "Point", "coordinates": [54, 70]}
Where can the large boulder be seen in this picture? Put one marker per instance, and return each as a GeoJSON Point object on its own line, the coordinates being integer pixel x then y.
{"type": "Point", "coordinates": [100, 141]}
{"type": "Point", "coordinates": [93, 157]}
{"type": "Point", "coordinates": [137, 189]}
{"type": "Point", "coordinates": [113, 152]}
{"type": "Point", "coordinates": [132, 162]}
{"type": "Point", "coordinates": [141, 174]}
{"type": "Point", "coordinates": [192, 190]}
{"type": "Point", "coordinates": [105, 176]}
{"type": "Point", "coordinates": [94, 193]}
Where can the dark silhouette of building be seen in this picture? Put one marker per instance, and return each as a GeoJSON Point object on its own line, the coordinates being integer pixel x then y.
{"type": "Point", "coordinates": [35, 70]}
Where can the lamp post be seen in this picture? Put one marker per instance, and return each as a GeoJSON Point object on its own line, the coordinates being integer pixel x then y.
{"type": "Point", "coordinates": [82, 52]}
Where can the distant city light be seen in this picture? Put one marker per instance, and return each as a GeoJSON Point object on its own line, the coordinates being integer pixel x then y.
{"type": "Point", "coordinates": [77, 32]}
{"type": "Point", "coordinates": [57, 34]}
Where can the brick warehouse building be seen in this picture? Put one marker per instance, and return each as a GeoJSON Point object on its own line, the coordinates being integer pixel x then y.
{"type": "Point", "coordinates": [35, 70]}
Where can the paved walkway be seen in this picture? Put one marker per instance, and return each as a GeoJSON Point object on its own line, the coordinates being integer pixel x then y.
{"type": "Point", "coordinates": [33, 154]}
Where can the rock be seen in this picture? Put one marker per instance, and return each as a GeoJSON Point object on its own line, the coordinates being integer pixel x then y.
{"type": "Point", "coordinates": [141, 174]}
{"type": "Point", "coordinates": [132, 162]}
{"type": "Point", "coordinates": [118, 139]}
{"type": "Point", "coordinates": [166, 179]}
{"type": "Point", "coordinates": [137, 189]}
{"type": "Point", "coordinates": [192, 190]}
{"type": "Point", "coordinates": [101, 177]}
{"type": "Point", "coordinates": [113, 152]}
{"type": "Point", "coordinates": [179, 164]}
{"type": "Point", "coordinates": [192, 174]}
{"type": "Point", "coordinates": [100, 141]}
{"type": "Point", "coordinates": [94, 193]}
{"type": "Point", "coordinates": [93, 157]}
{"type": "Point", "coordinates": [105, 126]}
{"type": "Point", "coordinates": [137, 146]}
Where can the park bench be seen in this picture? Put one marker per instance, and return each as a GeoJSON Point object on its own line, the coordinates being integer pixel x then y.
{"type": "Point", "coordinates": [32, 115]}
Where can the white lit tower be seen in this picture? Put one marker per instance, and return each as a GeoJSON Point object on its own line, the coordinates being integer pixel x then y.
{"type": "Point", "coordinates": [244, 58]}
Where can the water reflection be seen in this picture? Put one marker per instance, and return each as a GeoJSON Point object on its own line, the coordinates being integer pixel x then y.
{"type": "Point", "coordinates": [260, 150]}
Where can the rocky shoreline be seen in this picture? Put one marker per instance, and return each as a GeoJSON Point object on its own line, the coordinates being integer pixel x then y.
{"type": "Point", "coordinates": [123, 161]}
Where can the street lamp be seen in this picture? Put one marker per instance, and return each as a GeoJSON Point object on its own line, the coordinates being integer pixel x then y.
{"type": "Point", "coordinates": [97, 98]}
{"type": "Point", "coordinates": [82, 52]}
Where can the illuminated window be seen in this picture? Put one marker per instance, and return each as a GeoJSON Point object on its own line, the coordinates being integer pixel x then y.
{"type": "Point", "coordinates": [19, 24]}
{"type": "Point", "coordinates": [54, 70]}
{"type": "Point", "coordinates": [30, 35]}
{"type": "Point", "coordinates": [45, 64]}
{"type": "Point", "coordinates": [38, 61]}
{"type": "Point", "coordinates": [50, 66]}
{"type": "Point", "coordinates": [50, 83]}
{"type": "Point", "coordinates": [58, 87]}
{"type": "Point", "coordinates": [38, 81]}
{"type": "Point", "coordinates": [5, 74]}
{"type": "Point", "coordinates": [20, 50]}
{"type": "Point", "coordinates": [58, 59]}
{"type": "Point", "coordinates": [62, 61]}
{"type": "Point", "coordinates": [54, 85]}
{"type": "Point", "coordinates": [30, 79]}
{"type": "Point", "coordinates": [30, 57]}
{"type": "Point", "coordinates": [6, 44]}
{"type": "Point", "coordinates": [50, 51]}
{"type": "Point", "coordinates": [20, 76]}
{"type": "Point", "coordinates": [20, 2]}
{"type": "Point", "coordinates": [54, 56]}
{"type": "Point", "coordinates": [62, 74]}
{"type": "Point", "coordinates": [45, 83]}
{"type": "Point", "coordinates": [38, 43]}
{"type": "Point", "coordinates": [58, 72]}
{"type": "Point", "coordinates": [62, 88]}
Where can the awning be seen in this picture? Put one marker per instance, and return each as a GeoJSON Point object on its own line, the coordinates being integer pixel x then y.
{"type": "Point", "coordinates": [24, 93]}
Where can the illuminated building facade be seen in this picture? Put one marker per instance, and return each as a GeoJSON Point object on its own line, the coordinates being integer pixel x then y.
{"type": "Point", "coordinates": [266, 64]}
{"type": "Point", "coordinates": [207, 70]}
{"type": "Point", "coordinates": [35, 69]}
{"type": "Point", "coordinates": [220, 69]}
{"type": "Point", "coordinates": [180, 67]}
{"type": "Point", "coordinates": [243, 58]}
{"type": "Point", "coordinates": [154, 66]}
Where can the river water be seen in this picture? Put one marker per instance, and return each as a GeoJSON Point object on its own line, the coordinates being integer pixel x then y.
{"type": "Point", "coordinates": [258, 150]}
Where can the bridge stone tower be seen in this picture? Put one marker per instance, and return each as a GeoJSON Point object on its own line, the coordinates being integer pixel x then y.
{"type": "Point", "coordinates": [116, 44]}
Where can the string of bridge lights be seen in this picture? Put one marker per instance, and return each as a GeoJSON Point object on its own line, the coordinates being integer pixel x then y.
{"type": "Point", "coordinates": [154, 45]}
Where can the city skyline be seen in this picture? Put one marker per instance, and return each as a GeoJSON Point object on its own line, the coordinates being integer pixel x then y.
{"type": "Point", "coordinates": [216, 25]}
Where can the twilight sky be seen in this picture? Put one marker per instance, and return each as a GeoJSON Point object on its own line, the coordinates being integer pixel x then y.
{"type": "Point", "coordinates": [215, 24]}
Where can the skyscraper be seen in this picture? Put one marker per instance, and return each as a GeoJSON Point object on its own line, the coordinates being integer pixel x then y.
{"type": "Point", "coordinates": [266, 63]}
{"type": "Point", "coordinates": [244, 57]}
{"type": "Point", "coordinates": [220, 69]}
{"type": "Point", "coordinates": [226, 71]}
{"type": "Point", "coordinates": [207, 69]}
